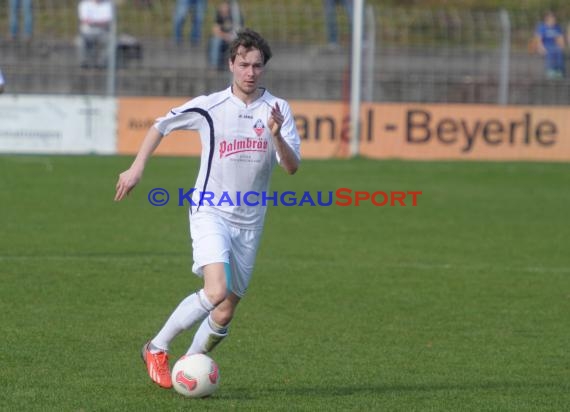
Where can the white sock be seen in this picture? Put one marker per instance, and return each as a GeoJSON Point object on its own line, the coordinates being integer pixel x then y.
{"type": "Point", "coordinates": [207, 337]}
{"type": "Point", "coordinates": [192, 309]}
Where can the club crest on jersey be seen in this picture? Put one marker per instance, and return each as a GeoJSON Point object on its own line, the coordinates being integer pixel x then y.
{"type": "Point", "coordinates": [259, 127]}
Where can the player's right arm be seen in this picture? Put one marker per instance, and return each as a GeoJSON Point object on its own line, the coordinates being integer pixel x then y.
{"type": "Point", "coordinates": [180, 118]}
{"type": "Point", "coordinates": [130, 177]}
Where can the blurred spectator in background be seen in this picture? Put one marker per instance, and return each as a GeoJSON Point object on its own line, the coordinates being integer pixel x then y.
{"type": "Point", "coordinates": [227, 22]}
{"type": "Point", "coordinates": [331, 19]}
{"type": "Point", "coordinates": [95, 18]}
{"type": "Point", "coordinates": [568, 34]}
{"type": "Point", "coordinates": [1, 82]}
{"type": "Point", "coordinates": [26, 8]}
{"type": "Point", "coordinates": [550, 43]}
{"type": "Point", "coordinates": [146, 4]}
{"type": "Point", "coordinates": [181, 12]}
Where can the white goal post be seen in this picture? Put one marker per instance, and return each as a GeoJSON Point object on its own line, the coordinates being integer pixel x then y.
{"type": "Point", "coordinates": [356, 75]}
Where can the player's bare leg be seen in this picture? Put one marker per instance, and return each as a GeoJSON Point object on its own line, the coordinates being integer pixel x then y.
{"type": "Point", "coordinates": [215, 282]}
{"type": "Point", "coordinates": [215, 327]}
{"type": "Point", "coordinates": [194, 308]}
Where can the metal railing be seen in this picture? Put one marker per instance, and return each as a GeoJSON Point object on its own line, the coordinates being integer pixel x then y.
{"type": "Point", "coordinates": [414, 55]}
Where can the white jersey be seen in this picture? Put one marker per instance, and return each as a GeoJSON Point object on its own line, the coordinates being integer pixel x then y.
{"type": "Point", "coordinates": [238, 154]}
{"type": "Point", "coordinates": [92, 14]}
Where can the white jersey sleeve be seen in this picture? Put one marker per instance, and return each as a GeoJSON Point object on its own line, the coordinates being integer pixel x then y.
{"type": "Point", "coordinates": [185, 117]}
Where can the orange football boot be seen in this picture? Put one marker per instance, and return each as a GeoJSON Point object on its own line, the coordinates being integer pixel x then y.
{"type": "Point", "coordinates": [157, 366]}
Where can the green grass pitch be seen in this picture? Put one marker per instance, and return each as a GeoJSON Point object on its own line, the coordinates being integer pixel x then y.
{"type": "Point", "coordinates": [458, 304]}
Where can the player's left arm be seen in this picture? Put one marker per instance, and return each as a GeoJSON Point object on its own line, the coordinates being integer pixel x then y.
{"type": "Point", "coordinates": [289, 158]}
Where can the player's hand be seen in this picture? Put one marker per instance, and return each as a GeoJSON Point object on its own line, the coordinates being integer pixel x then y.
{"type": "Point", "coordinates": [127, 181]}
{"type": "Point", "coordinates": [275, 120]}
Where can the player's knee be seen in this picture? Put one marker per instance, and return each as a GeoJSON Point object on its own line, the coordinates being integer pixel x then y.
{"type": "Point", "coordinates": [223, 316]}
{"type": "Point", "coordinates": [216, 294]}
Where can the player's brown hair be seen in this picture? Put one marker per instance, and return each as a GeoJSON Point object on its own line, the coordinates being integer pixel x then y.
{"type": "Point", "coordinates": [250, 39]}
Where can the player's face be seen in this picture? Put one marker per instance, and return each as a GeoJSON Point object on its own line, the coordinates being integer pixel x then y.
{"type": "Point", "coordinates": [247, 69]}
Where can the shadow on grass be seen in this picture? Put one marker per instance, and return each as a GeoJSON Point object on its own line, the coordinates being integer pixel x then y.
{"type": "Point", "coordinates": [249, 393]}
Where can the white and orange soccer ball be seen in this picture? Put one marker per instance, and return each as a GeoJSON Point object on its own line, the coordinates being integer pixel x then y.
{"type": "Point", "coordinates": [195, 376]}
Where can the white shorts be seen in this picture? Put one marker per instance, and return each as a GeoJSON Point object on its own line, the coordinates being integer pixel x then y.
{"type": "Point", "coordinates": [215, 241]}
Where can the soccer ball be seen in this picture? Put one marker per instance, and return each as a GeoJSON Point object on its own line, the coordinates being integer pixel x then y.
{"type": "Point", "coordinates": [195, 376]}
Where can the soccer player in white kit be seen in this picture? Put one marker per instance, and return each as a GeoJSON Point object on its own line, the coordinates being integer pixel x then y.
{"type": "Point", "coordinates": [244, 132]}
